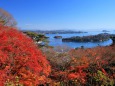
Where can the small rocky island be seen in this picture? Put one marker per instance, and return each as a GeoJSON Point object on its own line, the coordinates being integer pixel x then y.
{"type": "Point", "coordinates": [105, 31]}
{"type": "Point", "coordinates": [92, 38]}
{"type": "Point", "coordinates": [58, 37]}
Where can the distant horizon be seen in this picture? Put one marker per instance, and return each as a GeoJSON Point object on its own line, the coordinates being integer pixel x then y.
{"type": "Point", "coordinates": [66, 30]}
{"type": "Point", "coordinates": [72, 29]}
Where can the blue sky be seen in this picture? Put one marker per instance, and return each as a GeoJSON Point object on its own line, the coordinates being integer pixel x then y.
{"type": "Point", "coordinates": [62, 14]}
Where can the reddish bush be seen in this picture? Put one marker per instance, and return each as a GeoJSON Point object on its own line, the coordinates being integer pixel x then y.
{"type": "Point", "coordinates": [20, 57]}
{"type": "Point", "coordinates": [83, 66]}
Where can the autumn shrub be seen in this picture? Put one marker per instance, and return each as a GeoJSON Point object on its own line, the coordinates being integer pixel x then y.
{"type": "Point", "coordinates": [97, 66]}
{"type": "Point", "coordinates": [102, 79]}
{"type": "Point", "coordinates": [81, 67]}
{"type": "Point", "coordinates": [58, 60]}
{"type": "Point", "coordinates": [19, 56]}
{"type": "Point", "coordinates": [65, 68]}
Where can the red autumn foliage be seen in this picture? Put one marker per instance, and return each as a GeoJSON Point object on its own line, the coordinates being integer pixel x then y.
{"type": "Point", "coordinates": [19, 56]}
{"type": "Point", "coordinates": [77, 76]}
{"type": "Point", "coordinates": [80, 67]}
{"type": "Point", "coordinates": [73, 76]}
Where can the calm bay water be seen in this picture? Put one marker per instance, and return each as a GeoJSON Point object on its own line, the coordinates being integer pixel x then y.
{"type": "Point", "coordinates": [58, 42]}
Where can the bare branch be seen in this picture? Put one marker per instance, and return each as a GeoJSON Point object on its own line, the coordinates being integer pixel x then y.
{"type": "Point", "coordinates": [6, 19]}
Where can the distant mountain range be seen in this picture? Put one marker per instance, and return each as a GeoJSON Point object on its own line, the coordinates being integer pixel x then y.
{"type": "Point", "coordinates": [55, 31]}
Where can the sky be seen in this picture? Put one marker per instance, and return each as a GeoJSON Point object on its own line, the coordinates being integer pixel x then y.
{"type": "Point", "coordinates": [83, 15]}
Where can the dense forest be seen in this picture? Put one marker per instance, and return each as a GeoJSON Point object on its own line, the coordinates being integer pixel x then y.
{"type": "Point", "coordinates": [92, 38]}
